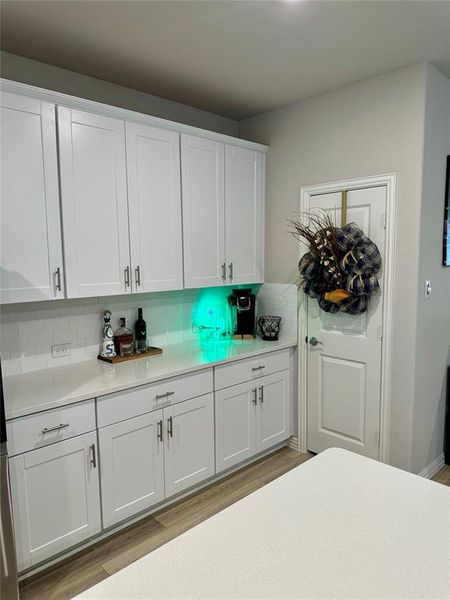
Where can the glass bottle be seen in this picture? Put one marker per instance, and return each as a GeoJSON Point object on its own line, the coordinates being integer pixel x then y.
{"type": "Point", "coordinates": [140, 333]}
{"type": "Point", "coordinates": [123, 339]}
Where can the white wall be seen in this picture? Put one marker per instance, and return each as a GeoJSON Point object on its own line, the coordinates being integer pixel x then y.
{"type": "Point", "coordinates": [433, 315]}
{"type": "Point", "coordinates": [25, 70]}
{"type": "Point", "coordinates": [372, 127]}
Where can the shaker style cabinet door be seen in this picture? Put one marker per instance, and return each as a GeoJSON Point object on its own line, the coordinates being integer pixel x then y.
{"type": "Point", "coordinates": [55, 498]}
{"type": "Point", "coordinates": [202, 173]}
{"type": "Point", "coordinates": [273, 419]}
{"type": "Point", "coordinates": [31, 252]}
{"type": "Point", "coordinates": [154, 197]}
{"type": "Point", "coordinates": [189, 443]}
{"type": "Point", "coordinates": [244, 216]}
{"type": "Point", "coordinates": [132, 466]}
{"type": "Point", "coordinates": [94, 204]}
{"type": "Point", "coordinates": [235, 424]}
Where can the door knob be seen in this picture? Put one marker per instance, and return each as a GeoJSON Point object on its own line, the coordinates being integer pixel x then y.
{"type": "Point", "coordinates": [314, 342]}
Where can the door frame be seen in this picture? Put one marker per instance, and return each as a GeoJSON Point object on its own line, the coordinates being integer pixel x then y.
{"type": "Point", "coordinates": [390, 181]}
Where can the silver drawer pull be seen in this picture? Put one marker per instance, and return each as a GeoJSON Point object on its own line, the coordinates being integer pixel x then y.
{"type": "Point", "coordinates": [160, 430]}
{"type": "Point", "coordinates": [255, 396]}
{"type": "Point", "coordinates": [261, 394]}
{"type": "Point", "coordinates": [170, 426]}
{"type": "Point", "coordinates": [93, 456]}
{"type": "Point", "coordinates": [166, 395]}
{"type": "Point", "coordinates": [55, 428]}
{"type": "Point", "coordinates": [258, 368]}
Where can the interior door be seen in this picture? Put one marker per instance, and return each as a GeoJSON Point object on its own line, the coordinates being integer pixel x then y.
{"type": "Point", "coordinates": [344, 351]}
{"type": "Point", "coordinates": [189, 443]}
{"type": "Point", "coordinates": [31, 250]}
{"type": "Point", "coordinates": [273, 410]}
{"type": "Point", "coordinates": [244, 215]}
{"type": "Point", "coordinates": [202, 173]}
{"type": "Point", "coordinates": [94, 203]}
{"type": "Point", "coordinates": [132, 466]}
{"type": "Point", "coordinates": [154, 196]}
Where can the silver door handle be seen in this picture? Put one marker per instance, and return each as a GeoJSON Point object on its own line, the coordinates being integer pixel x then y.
{"type": "Point", "coordinates": [127, 276]}
{"type": "Point", "coordinates": [255, 396]}
{"type": "Point", "coordinates": [314, 342]}
{"type": "Point", "coordinates": [58, 284]}
{"type": "Point", "coordinates": [261, 394]}
{"type": "Point", "coordinates": [137, 276]}
{"type": "Point", "coordinates": [93, 456]}
{"type": "Point", "coordinates": [55, 428]}
{"type": "Point", "coordinates": [230, 271]}
{"type": "Point", "coordinates": [160, 430]}
{"type": "Point", "coordinates": [170, 426]}
{"type": "Point", "coordinates": [166, 395]}
{"type": "Point", "coordinates": [224, 271]}
{"type": "Point", "coordinates": [258, 368]}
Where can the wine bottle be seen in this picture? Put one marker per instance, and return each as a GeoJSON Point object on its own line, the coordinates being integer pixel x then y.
{"type": "Point", "coordinates": [140, 333]}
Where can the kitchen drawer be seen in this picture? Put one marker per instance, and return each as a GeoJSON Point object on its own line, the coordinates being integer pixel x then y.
{"type": "Point", "coordinates": [50, 426]}
{"type": "Point", "coordinates": [146, 398]}
{"type": "Point", "coordinates": [251, 368]}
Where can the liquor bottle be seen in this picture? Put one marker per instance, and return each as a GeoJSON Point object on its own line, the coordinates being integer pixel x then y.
{"type": "Point", "coordinates": [107, 336]}
{"type": "Point", "coordinates": [140, 333]}
{"type": "Point", "coordinates": [123, 339]}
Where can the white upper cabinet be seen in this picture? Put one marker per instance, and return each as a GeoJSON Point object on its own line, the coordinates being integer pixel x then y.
{"type": "Point", "coordinates": [202, 168]}
{"type": "Point", "coordinates": [94, 204]}
{"type": "Point", "coordinates": [244, 215]}
{"type": "Point", "coordinates": [31, 254]}
{"type": "Point", "coordinates": [154, 197]}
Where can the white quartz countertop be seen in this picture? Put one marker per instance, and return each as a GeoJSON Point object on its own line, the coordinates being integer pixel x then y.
{"type": "Point", "coordinates": [36, 391]}
{"type": "Point", "coordinates": [339, 526]}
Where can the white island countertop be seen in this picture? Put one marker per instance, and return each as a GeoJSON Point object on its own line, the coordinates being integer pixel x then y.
{"type": "Point", "coordinates": [339, 526]}
{"type": "Point", "coordinates": [28, 393]}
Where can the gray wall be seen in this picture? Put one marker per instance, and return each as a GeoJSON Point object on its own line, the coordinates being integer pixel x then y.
{"type": "Point", "coordinates": [433, 315]}
{"type": "Point", "coordinates": [373, 127]}
{"type": "Point", "coordinates": [24, 70]}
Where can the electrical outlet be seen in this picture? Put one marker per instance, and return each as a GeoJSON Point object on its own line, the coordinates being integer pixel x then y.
{"type": "Point", "coordinates": [428, 289]}
{"type": "Point", "coordinates": [61, 350]}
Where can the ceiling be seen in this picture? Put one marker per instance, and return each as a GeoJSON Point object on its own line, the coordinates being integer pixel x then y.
{"type": "Point", "coordinates": [234, 58]}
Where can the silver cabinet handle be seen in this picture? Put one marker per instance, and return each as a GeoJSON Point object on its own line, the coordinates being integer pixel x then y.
{"type": "Point", "coordinates": [127, 277]}
{"type": "Point", "coordinates": [230, 271]}
{"type": "Point", "coordinates": [166, 395]}
{"type": "Point", "coordinates": [224, 271]}
{"type": "Point", "coordinates": [58, 283]}
{"type": "Point", "coordinates": [261, 394]}
{"type": "Point", "coordinates": [170, 426]}
{"type": "Point", "coordinates": [255, 396]}
{"type": "Point", "coordinates": [55, 428]}
{"type": "Point", "coordinates": [160, 430]}
{"type": "Point", "coordinates": [93, 456]}
{"type": "Point", "coordinates": [258, 368]}
{"type": "Point", "coordinates": [137, 276]}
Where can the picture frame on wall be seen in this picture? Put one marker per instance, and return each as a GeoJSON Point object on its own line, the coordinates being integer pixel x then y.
{"type": "Point", "coordinates": [446, 245]}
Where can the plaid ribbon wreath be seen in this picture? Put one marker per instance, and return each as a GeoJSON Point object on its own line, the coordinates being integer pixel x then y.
{"type": "Point", "coordinates": [342, 260]}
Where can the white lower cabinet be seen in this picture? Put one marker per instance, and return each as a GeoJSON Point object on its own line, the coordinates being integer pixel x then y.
{"type": "Point", "coordinates": [131, 466]}
{"type": "Point", "coordinates": [56, 501]}
{"type": "Point", "coordinates": [252, 417]}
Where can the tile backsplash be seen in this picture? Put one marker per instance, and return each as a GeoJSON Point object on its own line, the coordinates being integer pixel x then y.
{"type": "Point", "coordinates": [29, 330]}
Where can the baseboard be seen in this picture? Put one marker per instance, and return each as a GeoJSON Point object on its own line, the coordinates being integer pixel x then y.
{"type": "Point", "coordinates": [292, 442]}
{"type": "Point", "coordinates": [433, 467]}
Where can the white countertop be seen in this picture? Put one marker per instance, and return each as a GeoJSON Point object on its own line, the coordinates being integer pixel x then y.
{"type": "Point", "coordinates": [339, 526]}
{"type": "Point", "coordinates": [32, 392]}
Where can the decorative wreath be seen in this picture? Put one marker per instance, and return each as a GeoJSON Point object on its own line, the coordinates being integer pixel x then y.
{"type": "Point", "coordinates": [341, 267]}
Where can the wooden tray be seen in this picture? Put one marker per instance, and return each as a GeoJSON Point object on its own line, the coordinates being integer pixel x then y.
{"type": "Point", "coordinates": [151, 351]}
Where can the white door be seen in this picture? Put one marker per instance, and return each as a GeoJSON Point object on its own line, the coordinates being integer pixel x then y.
{"type": "Point", "coordinates": [31, 251]}
{"type": "Point", "coordinates": [94, 204]}
{"type": "Point", "coordinates": [55, 498]}
{"type": "Point", "coordinates": [189, 443]}
{"type": "Point", "coordinates": [344, 368]}
{"type": "Point", "coordinates": [154, 196]}
{"type": "Point", "coordinates": [273, 414]}
{"type": "Point", "coordinates": [244, 215]}
{"type": "Point", "coordinates": [235, 424]}
{"type": "Point", "coordinates": [202, 176]}
{"type": "Point", "coordinates": [132, 466]}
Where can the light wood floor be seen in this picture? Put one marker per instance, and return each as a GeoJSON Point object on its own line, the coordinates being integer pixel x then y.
{"type": "Point", "coordinates": [109, 556]}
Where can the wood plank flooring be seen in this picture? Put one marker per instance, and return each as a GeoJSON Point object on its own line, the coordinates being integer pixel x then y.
{"type": "Point", "coordinates": [82, 571]}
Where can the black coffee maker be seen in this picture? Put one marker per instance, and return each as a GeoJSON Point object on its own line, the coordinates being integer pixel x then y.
{"type": "Point", "coordinates": [242, 308]}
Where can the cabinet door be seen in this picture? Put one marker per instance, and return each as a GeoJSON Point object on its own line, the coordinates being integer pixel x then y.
{"type": "Point", "coordinates": [31, 251]}
{"type": "Point", "coordinates": [94, 203]}
{"type": "Point", "coordinates": [55, 496]}
{"type": "Point", "coordinates": [189, 443]}
{"type": "Point", "coordinates": [131, 461]}
{"type": "Point", "coordinates": [244, 215]}
{"type": "Point", "coordinates": [154, 196]}
{"type": "Point", "coordinates": [273, 421]}
{"type": "Point", "coordinates": [202, 169]}
{"type": "Point", "coordinates": [235, 424]}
